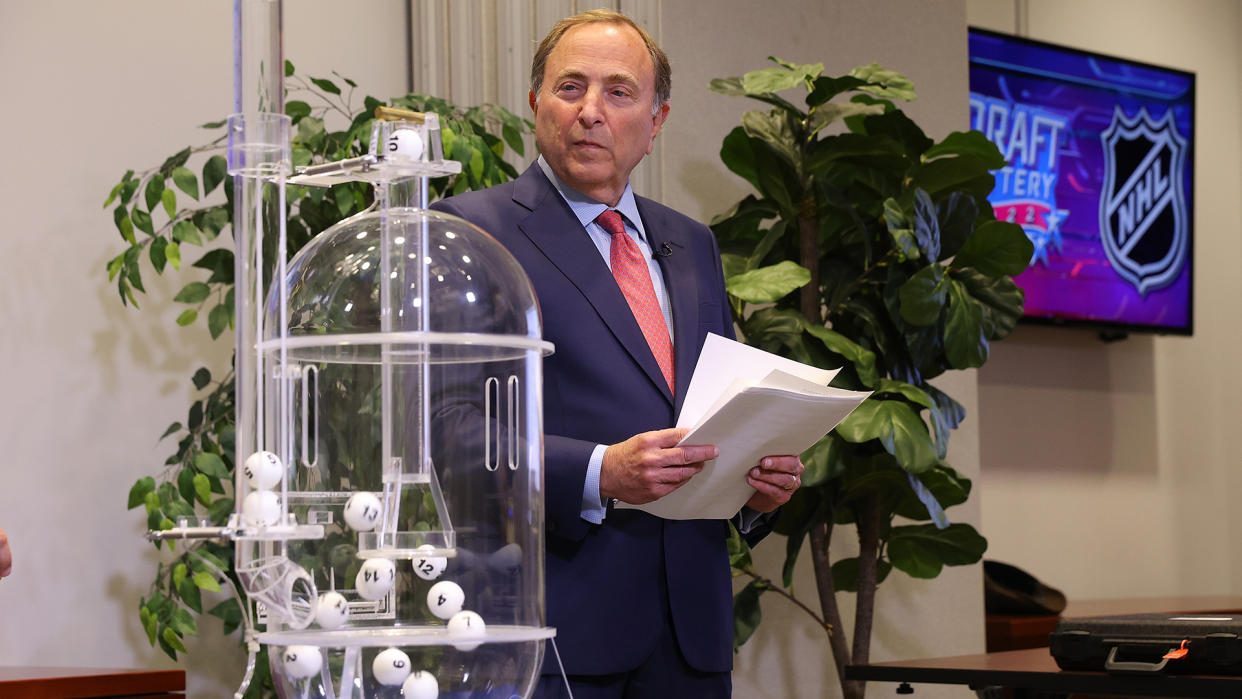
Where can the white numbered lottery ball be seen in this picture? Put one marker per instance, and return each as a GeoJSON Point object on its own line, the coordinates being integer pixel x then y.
{"type": "Point", "coordinates": [332, 611]}
{"type": "Point", "coordinates": [420, 685]}
{"type": "Point", "coordinates": [261, 509]}
{"type": "Point", "coordinates": [429, 567]}
{"type": "Point", "coordinates": [405, 144]}
{"type": "Point", "coordinates": [263, 470]}
{"type": "Point", "coordinates": [302, 661]}
{"type": "Point", "coordinates": [445, 599]}
{"type": "Point", "coordinates": [375, 578]}
{"type": "Point", "coordinates": [466, 624]}
{"type": "Point", "coordinates": [362, 511]}
{"type": "Point", "coordinates": [390, 667]}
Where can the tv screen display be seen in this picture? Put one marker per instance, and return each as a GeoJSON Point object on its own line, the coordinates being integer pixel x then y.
{"type": "Point", "coordinates": [1100, 154]}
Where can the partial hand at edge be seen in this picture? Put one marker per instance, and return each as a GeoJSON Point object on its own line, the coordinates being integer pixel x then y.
{"type": "Point", "coordinates": [775, 479]}
{"type": "Point", "coordinates": [650, 465]}
{"type": "Point", "coordinates": [6, 555]}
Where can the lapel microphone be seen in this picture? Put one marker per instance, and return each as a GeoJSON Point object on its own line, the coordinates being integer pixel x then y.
{"type": "Point", "coordinates": [664, 251]}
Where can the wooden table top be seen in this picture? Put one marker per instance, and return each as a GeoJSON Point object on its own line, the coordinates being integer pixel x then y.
{"type": "Point", "coordinates": [82, 682]}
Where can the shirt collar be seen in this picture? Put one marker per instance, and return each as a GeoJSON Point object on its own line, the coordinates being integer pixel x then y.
{"type": "Point", "coordinates": [587, 209]}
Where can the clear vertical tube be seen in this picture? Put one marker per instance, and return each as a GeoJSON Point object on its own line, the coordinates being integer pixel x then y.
{"type": "Point", "coordinates": [258, 57]}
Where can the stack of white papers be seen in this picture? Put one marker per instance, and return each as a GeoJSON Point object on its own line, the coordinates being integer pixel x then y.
{"type": "Point", "coordinates": [750, 404]}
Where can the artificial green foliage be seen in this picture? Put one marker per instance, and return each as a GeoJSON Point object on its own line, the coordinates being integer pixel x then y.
{"type": "Point", "coordinates": [869, 247]}
{"type": "Point", "coordinates": [173, 217]}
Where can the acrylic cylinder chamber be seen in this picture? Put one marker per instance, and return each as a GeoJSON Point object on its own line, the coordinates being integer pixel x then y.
{"type": "Point", "coordinates": [405, 398]}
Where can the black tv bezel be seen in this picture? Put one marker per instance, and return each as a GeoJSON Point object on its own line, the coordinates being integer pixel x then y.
{"type": "Point", "coordinates": [1111, 330]}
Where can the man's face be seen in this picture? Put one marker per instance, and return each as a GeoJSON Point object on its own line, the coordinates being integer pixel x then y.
{"type": "Point", "coordinates": [593, 119]}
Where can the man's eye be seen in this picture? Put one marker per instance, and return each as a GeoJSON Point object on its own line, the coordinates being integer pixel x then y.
{"type": "Point", "coordinates": [567, 88]}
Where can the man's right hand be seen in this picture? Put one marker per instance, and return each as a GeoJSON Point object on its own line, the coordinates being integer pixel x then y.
{"type": "Point", "coordinates": [650, 465]}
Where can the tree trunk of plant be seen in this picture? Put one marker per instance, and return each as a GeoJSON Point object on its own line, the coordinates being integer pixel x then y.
{"type": "Point", "coordinates": [868, 560]}
{"type": "Point", "coordinates": [808, 253]}
{"type": "Point", "coordinates": [820, 535]}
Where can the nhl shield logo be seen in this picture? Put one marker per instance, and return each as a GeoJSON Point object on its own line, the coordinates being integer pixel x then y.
{"type": "Point", "coordinates": [1144, 224]}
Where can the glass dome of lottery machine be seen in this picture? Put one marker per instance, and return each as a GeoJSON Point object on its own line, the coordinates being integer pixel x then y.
{"type": "Point", "coordinates": [389, 521]}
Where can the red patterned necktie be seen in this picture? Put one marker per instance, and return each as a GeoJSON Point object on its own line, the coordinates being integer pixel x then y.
{"type": "Point", "coordinates": [629, 267]}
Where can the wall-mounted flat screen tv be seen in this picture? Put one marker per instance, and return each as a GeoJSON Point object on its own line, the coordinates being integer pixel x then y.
{"type": "Point", "coordinates": [1100, 173]}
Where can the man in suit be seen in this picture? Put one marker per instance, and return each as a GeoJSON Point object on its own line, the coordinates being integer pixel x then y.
{"type": "Point", "coordinates": [642, 605]}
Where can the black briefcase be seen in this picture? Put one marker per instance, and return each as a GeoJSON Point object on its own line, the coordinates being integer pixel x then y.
{"type": "Point", "coordinates": [1202, 644]}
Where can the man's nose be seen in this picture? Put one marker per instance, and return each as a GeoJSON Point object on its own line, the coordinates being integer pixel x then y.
{"type": "Point", "coordinates": [592, 111]}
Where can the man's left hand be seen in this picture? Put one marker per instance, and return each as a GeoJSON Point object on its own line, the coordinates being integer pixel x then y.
{"type": "Point", "coordinates": [775, 479]}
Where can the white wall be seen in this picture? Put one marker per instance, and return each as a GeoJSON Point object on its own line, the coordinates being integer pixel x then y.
{"type": "Point", "coordinates": [88, 386]}
{"type": "Point", "coordinates": [95, 88]}
{"type": "Point", "coordinates": [1109, 470]}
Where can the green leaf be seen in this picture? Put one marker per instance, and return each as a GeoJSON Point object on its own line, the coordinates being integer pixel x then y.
{"type": "Point", "coordinates": [186, 181]}
{"type": "Point", "coordinates": [747, 613]}
{"type": "Point", "coordinates": [172, 252]}
{"type": "Point", "coordinates": [297, 109]}
{"type": "Point", "coordinates": [898, 428]}
{"type": "Point", "coordinates": [773, 128]}
{"type": "Point", "coordinates": [768, 284]}
{"type": "Point", "coordinates": [158, 254]}
{"type": "Point", "coordinates": [218, 320]}
{"type": "Point", "coordinates": [964, 173]}
{"type": "Point", "coordinates": [923, 295]}
{"type": "Point", "coordinates": [142, 221]}
{"type": "Point", "coordinates": [151, 500]}
{"type": "Point", "coordinates": [996, 248]}
{"type": "Point", "coordinates": [926, 226]}
{"type": "Point", "coordinates": [777, 79]}
{"type": "Point", "coordinates": [173, 640]}
{"type": "Point", "coordinates": [211, 464]}
{"type": "Point", "coordinates": [202, 489]}
{"type": "Point", "coordinates": [179, 573]}
{"type": "Point", "coordinates": [214, 171]}
{"type": "Point", "coordinates": [120, 217]}
{"type": "Point", "coordinates": [153, 193]}
{"type": "Point", "coordinates": [965, 344]}
{"type": "Point", "coordinates": [922, 550]}
{"type": "Point", "coordinates": [169, 199]}
{"type": "Point", "coordinates": [184, 231]}
{"type": "Point", "coordinates": [228, 611]}
{"type": "Point", "coordinates": [288, 68]}
{"type": "Point", "coordinates": [900, 229]}
{"type": "Point", "coordinates": [185, 485]}
{"type": "Point", "coordinates": [826, 87]}
{"type": "Point", "coordinates": [945, 485]}
{"type": "Point", "coordinates": [176, 426]}
{"type": "Point", "coordinates": [183, 623]}
{"type": "Point", "coordinates": [201, 378]}
{"type": "Point", "coordinates": [957, 214]}
{"type": "Point", "coordinates": [738, 155]}
{"type": "Point", "coordinates": [138, 493]}
{"type": "Point", "coordinates": [972, 143]}
{"type": "Point", "coordinates": [845, 573]}
{"type": "Point", "coordinates": [220, 510]}
{"type": "Point", "coordinates": [194, 292]}
{"type": "Point", "coordinates": [823, 462]}
{"type": "Point", "coordinates": [862, 358]}
{"type": "Point", "coordinates": [739, 551]}
{"type": "Point", "coordinates": [149, 623]}
{"type": "Point", "coordinates": [911, 392]}
{"type": "Point", "coordinates": [206, 581]}
{"type": "Point", "coordinates": [885, 83]}
{"type": "Point", "coordinates": [188, 592]}
{"type": "Point", "coordinates": [513, 138]}
{"type": "Point", "coordinates": [1000, 300]}
{"type": "Point", "coordinates": [326, 85]}
{"type": "Point", "coordinates": [187, 316]}
{"type": "Point", "coordinates": [174, 161]}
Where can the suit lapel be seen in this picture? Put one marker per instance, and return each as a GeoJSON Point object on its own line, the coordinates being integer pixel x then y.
{"type": "Point", "coordinates": [553, 228]}
{"type": "Point", "coordinates": [679, 279]}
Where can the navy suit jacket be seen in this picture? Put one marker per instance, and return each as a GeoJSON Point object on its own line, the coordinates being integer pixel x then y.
{"type": "Point", "coordinates": [602, 385]}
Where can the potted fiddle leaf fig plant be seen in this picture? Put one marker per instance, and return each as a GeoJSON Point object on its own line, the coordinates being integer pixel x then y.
{"type": "Point", "coordinates": [869, 247]}
{"type": "Point", "coordinates": [170, 218]}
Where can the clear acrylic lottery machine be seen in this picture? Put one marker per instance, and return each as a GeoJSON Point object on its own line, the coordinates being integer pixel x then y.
{"type": "Point", "coordinates": [389, 523]}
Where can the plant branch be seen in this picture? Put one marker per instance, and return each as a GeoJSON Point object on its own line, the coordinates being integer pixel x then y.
{"type": "Point", "coordinates": [868, 562]}
{"type": "Point", "coordinates": [767, 582]}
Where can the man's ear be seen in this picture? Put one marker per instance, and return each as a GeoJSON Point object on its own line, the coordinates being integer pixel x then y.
{"type": "Point", "coordinates": [657, 121]}
{"type": "Point", "coordinates": [534, 104]}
